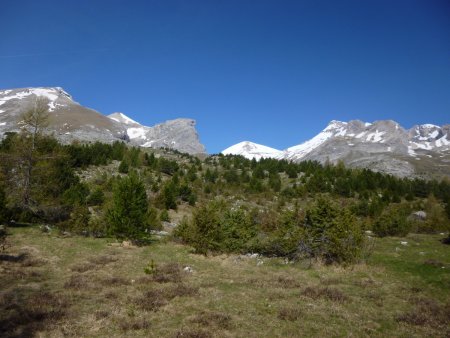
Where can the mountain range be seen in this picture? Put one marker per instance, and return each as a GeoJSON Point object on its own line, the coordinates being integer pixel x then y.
{"type": "Point", "coordinates": [422, 151]}
{"type": "Point", "coordinates": [69, 121]}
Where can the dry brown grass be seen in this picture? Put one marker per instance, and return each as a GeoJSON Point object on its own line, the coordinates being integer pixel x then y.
{"type": "Point", "coordinates": [290, 313]}
{"type": "Point", "coordinates": [83, 267]}
{"type": "Point", "coordinates": [213, 319]}
{"type": "Point", "coordinates": [115, 281]}
{"type": "Point", "coordinates": [192, 333]}
{"type": "Point", "coordinates": [332, 294]}
{"type": "Point", "coordinates": [103, 259]}
{"type": "Point", "coordinates": [169, 272]}
{"type": "Point", "coordinates": [152, 300]}
{"type": "Point", "coordinates": [129, 324]}
{"type": "Point", "coordinates": [427, 312]}
{"type": "Point", "coordinates": [105, 293]}
{"type": "Point", "coordinates": [79, 282]}
{"type": "Point", "coordinates": [24, 314]}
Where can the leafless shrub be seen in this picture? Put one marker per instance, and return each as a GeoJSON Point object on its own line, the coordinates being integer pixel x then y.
{"type": "Point", "coordinates": [218, 319]}
{"type": "Point", "coordinates": [289, 313]}
{"type": "Point", "coordinates": [332, 294]}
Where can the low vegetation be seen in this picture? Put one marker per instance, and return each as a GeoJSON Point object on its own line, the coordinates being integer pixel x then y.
{"type": "Point", "coordinates": [54, 285]}
{"type": "Point", "coordinates": [109, 240]}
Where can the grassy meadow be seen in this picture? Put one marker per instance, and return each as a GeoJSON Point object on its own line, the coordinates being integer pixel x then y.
{"type": "Point", "coordinates": [53, 285]}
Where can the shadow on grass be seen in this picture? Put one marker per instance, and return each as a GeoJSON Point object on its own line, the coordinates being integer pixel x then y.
{"type": "Point", "coordinates": [12, 258]}
{"type": "Point", "coordinates": [23, 314]}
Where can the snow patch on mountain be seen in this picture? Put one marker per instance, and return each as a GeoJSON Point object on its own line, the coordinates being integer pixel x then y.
{"type": "Point", "coordinates": [52, 94]}
{"type": "Point", "coordinates": [122, 118]}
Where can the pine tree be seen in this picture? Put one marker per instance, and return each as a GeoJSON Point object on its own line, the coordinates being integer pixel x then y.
{"type": "Point", "coordinates": [128, 215]}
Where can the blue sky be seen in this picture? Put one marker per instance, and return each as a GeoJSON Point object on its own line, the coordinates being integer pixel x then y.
{"type": "Point", "coordinates": [273, 72]}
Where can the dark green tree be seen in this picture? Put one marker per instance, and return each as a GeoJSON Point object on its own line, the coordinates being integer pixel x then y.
{"type": "Point", "coordinates": [124, 167]}
{"type": "Point", "coordinates": [128, 216]}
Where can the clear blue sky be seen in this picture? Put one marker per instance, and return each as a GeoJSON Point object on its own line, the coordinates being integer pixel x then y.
{"type": "Point", "coordinates": [273, 72]}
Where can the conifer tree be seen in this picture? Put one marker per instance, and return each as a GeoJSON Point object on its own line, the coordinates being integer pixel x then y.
{"type": "Point", "coordinates": [128, 214]}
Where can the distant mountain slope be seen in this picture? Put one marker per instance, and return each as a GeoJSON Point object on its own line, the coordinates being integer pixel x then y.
{"type": "Point", "coordinates": [71, 121]}
{"type": "Point", "coordinates": [423, 150]}
{"type": "Point", "coordinates": [252, 150]}
{"type": "Point", "coordinates": [68, 119]}
{"type": "Point", "coordinates": [177, 134]}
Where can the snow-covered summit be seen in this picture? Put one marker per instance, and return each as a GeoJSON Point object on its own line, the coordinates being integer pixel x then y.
{"type": "Point", "coordinates": [252, 150]}
{"type": "Point", "coordinates": [381, 145]}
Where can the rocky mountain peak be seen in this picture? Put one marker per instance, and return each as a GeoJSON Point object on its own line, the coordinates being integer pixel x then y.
{"type": "Point", "coordinates": [70, 121]}
{"type": "Point", "coordinates": [382, 145]}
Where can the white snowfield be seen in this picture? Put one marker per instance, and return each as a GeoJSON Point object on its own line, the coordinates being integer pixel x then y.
{"type": "Point", "coordinates": [425, 137]}
{"type": "Point", "coordinates": [52, 94]}
{"type": "Point", "coordinates": [122, 118]}
{"type": "Point", "coordinates": [252, 150]}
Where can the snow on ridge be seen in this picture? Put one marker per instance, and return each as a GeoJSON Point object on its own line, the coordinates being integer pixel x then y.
{"type": "Point", "coordinates": [51, 94]}
{"type": "Point", "coordinates": [122, 118]}
{"type": "Point", "coordinates": [428, 125]}
{"type": "Point", "coordinates": [376, 136]}
{"type": "Point", "coordinates": [305, 148]}
{"type": "Point", "coordinates": [127, 120]}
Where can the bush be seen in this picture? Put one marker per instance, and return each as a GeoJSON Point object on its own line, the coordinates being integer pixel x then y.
{"type": "Point", "coordinates": [124, 167]}
{"type": "Point", "coordinates": [331, 233]}
{"type": "Point", "coordinates": [393, 221]}
{"type": "Point", "coordinates": [164, 216]}
{"type": "Point", "coordinates": [97, 197]}
{"type": "Point", "coordinates": [128, 216]}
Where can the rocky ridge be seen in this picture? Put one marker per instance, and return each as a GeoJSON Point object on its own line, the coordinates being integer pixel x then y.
{"type": "Point", "coordinates": [423, 150]}
{"type": "Point", "coordinates": [70, 121]}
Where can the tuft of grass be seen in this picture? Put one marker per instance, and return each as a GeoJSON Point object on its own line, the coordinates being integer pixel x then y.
{"type": "Point", "coordinates": [288, 282]}
{"type": "Point", "coordinates": [78, 282]}
{"type": "Point", "coordinates": [103, 259]}
{"type": "Point", "coordinates": [192, 333]}
{"type": "Point", "coordinates": [213, 319]}
{"type": "Point", "coordinates": [332, 294]}
{"type": "Point", "coordinates": [154, 299]}
{"type": "Point", "coordinates": [169, 272]}
{"type": "Point", "coordinates": [83, 267]}
{"type": "Point", "coordinates": [289, 313]}
{"type": "Point", "coordinates": [116, 281]}
{"type": "Point", "coordinates": [427, 312]}
{"type": "Point", "coordinates": [133, 324]}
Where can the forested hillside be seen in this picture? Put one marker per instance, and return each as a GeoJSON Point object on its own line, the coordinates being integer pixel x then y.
{"type": "Point", "coordinates": [220, 203]}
